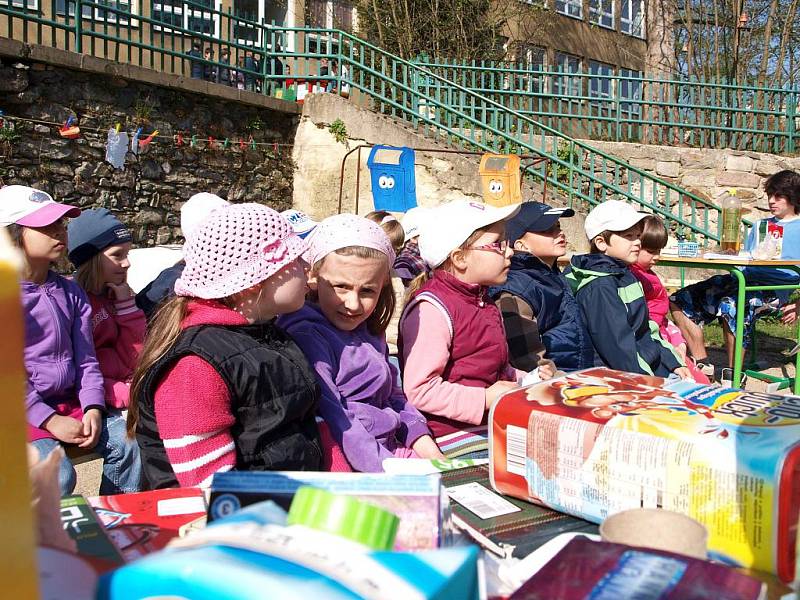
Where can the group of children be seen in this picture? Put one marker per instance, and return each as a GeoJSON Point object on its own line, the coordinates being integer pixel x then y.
{"type": "Point", "coordinates": [268, 349]}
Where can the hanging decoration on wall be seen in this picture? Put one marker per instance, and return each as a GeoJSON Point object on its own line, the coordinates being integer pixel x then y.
{"type": "Point", "coordinates": [394, 184]}
{"type": "Point", "coordinates": [116, 147]}
{"type": "Point", "coordinates": [70, 129]}
{"type": "Point", "coordinates": [119, 142]}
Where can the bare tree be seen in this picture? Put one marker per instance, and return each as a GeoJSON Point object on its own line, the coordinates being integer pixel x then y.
{"type": "Point", "coordinates": [453, 29]}
{"type": "Point", "coordinates": [750, 41]}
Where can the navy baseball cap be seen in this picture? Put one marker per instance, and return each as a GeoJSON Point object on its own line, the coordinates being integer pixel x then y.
{"type": "Point", "coordinates": [535, 217]}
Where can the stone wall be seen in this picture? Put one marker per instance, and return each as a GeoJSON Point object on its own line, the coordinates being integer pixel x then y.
{"type": "Point", "coordinates": [148, 193]}
{"type": "Point", "coordinates": [707, 173]}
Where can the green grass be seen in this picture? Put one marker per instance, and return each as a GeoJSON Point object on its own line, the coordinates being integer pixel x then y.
{"type": "Point", "coordinates": [766, 326]}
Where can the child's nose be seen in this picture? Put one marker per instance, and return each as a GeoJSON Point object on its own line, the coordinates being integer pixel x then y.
{"type": "Point", "coordinates": [351, 301]}
{"type": "Point", "coordinates": [509, 251]}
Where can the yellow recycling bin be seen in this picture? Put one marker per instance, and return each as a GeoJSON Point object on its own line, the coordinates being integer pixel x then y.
{"type": "Point", "coordinates": [501, 179]}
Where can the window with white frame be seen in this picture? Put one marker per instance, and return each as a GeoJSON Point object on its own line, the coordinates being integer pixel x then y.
{"type": "Point", "coordinates": [26, 4]}
{"type": "Point", "coordinates": [531, 59]}
{"type": "Point", "coordinates": [631, 18]}
{"type": "Point", "coordinates": [601, 12]}
{"type": "Point", "coordinates": [328, 14]}
{"type": "Point", "coordinates": [600, 80]}
{"type": "Point", "coordinates": [194, 15]}
{"type": "Point", "coordinates": [247, 14]}
{"type": "Point", "coordinates": [571, 8]}
{"type": "Point", "coordinates": [125, 8]}
{"type": "Point", "coordinates": [630, 88]}
{"type": "Point", "coordinates": [565, 84]}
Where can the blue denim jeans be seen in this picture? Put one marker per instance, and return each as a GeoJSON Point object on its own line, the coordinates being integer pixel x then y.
{"type": "Point", "coordinates": [122, 467]}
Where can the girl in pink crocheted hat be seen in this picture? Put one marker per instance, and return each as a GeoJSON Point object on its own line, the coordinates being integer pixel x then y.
{"type": "Point", "coordinates": [220, 386]}
{"type": "Point", "coordinates": [341, 330]}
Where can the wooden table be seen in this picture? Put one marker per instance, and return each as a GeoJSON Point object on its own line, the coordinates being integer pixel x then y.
{"type": "Point", "coordinates": [733, 266]}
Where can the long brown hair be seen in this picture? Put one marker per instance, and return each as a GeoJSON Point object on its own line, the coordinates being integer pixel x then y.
{"type": "Point", "coordinates": [379, 320]}
{"type": "Point", "coordinates": [447, 265]}
{"type": "Point", "coordinates": [90, 275]}
{"type": "Point", "coordinates": [161, 335]}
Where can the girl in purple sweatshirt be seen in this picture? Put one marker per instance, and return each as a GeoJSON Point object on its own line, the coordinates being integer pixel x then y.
{"type": "Point", "coordinates": [341, 332]}
{"type": "Point", "coordinates": [65, 400]}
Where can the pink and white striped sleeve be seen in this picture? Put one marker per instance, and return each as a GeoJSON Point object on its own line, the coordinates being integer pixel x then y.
{"type": "Point", "coordinates": [193, 412]}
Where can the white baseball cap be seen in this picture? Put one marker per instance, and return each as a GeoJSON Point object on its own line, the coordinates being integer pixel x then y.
{"type": "Point", "coordinates": [612, 215]}
{"type": "Point", "coordinates": [300, 222]}
{"type": "Point", "coordinates": [447, 226]}
{"type": "Point", "coordinates": [412, 221]}
{"type": "Point", "coordinates": [197, 208]}
{"type": "Point", "coordinates": [29, 207]}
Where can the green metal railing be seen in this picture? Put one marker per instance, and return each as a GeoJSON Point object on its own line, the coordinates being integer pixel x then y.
{"type": "Point", "coordinates": [630, 108]}
{"type": "Point", "coordinates": [433, 105]}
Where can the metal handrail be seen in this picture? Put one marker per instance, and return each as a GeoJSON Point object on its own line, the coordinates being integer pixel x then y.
{"type": "Point", "coordinates": [691, 111]}
{"type": "Point", "coordinates": [397, 87]}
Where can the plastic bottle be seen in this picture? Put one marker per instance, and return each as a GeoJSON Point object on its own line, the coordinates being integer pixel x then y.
{"type": "Point", "coordinates": [731, 240]}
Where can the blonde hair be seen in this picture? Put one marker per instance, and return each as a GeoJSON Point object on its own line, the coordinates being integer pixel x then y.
{"type": "Point", "coordinates": [379, 320]}
{"type": "Point", "coordinates": [161, 335]}
{"type": "Point", "coordinates": [392, 227]}
{"type": "Point", "coordinates": [447, 265]}
{"type": "Point", "coordinates": [90, 275]}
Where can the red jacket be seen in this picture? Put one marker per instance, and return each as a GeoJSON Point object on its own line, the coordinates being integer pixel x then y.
{"type": "Point", "coordinates": [118, 329]}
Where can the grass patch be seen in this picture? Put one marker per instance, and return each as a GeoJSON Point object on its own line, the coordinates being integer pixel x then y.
{"type": "Point", "coordinates": [765, 327]}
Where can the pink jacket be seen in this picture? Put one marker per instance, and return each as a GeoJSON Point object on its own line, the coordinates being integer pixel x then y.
{"type": "Point", "coordinates": [655, 294]}
{"type": "Point", "coordinates": [118, 329]}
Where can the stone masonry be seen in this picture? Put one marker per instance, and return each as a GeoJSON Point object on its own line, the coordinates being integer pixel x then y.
{"type": "Point", "coordinates": [148, 193]}
{"type": "Point", "coordinates": [705, 172]}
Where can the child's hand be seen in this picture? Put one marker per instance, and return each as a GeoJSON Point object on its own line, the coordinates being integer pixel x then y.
{"type": "Point", "coordinates": [789, 314]}
{"type": "Point", "coordinates": [547, 369]}
{"type": "Point", "coordinates": [119, 291]}
{"type": "Point", "coordinates": [684, 373]}
{"type": "Point", "coordinates": [494, 391]}
{"type": "Point", "coordinates": [92, 424]}
{"type": "Point", "coordinates": [65, 429]}
{"type": "Point", "coordinates": [425, 447]}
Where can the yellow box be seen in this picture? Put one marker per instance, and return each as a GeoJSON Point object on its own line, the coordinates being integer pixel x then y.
{"type": "Point", "coordinates": [501, 179]}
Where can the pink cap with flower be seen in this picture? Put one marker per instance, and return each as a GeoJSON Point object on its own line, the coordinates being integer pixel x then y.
{"type": "Point", "coordinates": [343, 231]}
{"type": "Point", "coordinates": [237, 247]}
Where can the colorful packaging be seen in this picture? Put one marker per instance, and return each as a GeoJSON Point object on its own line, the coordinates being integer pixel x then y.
{"type": "Point", "coordinates": [325, 549]}
{"type": "Point", "coordinates": [418, 500]}
{"type": "Point", "coordinates": [144, 522]}
{"type": "Point", "coordinates": [599, 441]}
{"type": "Point", "coordinates": [604, 571]}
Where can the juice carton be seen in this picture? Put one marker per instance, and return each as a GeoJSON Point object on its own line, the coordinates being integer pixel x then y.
{"type": "Point", "coordinates": [598, 441]}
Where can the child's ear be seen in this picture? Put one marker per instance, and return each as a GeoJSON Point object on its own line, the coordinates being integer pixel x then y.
{"type": "Point", "coordinates": [458, 258]}
{"type": "Point", "coordinates": [600, 243]}
{"type": "Point", "coordinates": [520, 245]}
{"type": "Point", "coordinates": [312, 282]}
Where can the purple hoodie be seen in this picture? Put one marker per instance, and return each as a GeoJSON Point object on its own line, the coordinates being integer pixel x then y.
{"type": "Point", "coordinates": [367, 413]}
{"type": "Point", "coordinates": [63, 374]}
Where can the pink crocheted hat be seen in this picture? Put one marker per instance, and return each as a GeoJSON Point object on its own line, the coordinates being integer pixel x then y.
{"type": "Point", "coordinates": [234, 249]}
{"type": "Point", "coordinates": [342, 231]}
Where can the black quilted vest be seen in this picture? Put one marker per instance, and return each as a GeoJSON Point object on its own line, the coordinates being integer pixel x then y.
{"type": "Point", "coordinates": [273, 392]}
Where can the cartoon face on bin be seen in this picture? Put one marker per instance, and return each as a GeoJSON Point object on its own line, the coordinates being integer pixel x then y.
{"type": "Point", "coordinates": [392, 176]}
{"type": "Point", "coordinates": [386, 182]}
{"type": "Point", "coordinates": [500, 179]}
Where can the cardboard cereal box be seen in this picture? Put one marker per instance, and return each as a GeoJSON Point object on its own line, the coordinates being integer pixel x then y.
{"type": "Point", "coordinates": [599, 441]}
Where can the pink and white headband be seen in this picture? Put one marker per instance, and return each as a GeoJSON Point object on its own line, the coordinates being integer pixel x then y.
{"type": "Point", "coordinates": [345, 230]}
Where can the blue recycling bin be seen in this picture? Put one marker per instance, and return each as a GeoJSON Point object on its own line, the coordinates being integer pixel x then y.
{"type": "Point", "coordinates": [394, 186]}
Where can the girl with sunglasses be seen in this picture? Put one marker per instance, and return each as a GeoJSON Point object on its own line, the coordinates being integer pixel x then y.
{"type": "Point", "coordinates": [452, 342]}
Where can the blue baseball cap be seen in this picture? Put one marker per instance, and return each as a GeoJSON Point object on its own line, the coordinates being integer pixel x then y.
{"type": "Point", "coordinates": [92, 232]}
{"type": "Point", "coordinates": [534, 217]}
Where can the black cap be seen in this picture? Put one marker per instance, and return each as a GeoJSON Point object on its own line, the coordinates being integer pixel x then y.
{"type": "Point", "coordinates": [535, 217]}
